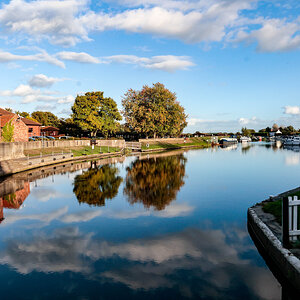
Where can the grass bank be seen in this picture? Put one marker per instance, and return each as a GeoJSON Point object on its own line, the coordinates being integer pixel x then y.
{"type": "Point", "coordinates": [190, 142]}
{"type": "Point", "coordinates": [77, 151]}
{"type": "Point", "coordinates": [275, 208]}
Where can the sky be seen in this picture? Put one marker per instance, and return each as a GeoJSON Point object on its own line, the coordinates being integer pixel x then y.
{"type": "Point", "coordinates": [231, 63]}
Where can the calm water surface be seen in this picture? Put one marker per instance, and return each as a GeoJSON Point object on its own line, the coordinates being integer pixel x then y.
{"type": "Point", "coordinates": [167, 226]}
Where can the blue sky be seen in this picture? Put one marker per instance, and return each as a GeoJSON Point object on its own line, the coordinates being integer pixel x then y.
{"type": "Point", "coordinates": [232, 63]}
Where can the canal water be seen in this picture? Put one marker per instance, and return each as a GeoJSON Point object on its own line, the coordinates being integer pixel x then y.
{"type": "Point", "coordinates": [160, 226]}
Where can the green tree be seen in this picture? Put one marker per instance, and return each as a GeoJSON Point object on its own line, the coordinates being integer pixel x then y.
{"type": "Point", "coordinates": [46, 118]}
{"type": "Point", "coordinates": [69, 127]}
{"type": "Point", "coordinates": [8, 132]}
{"type": "Point", "coordinates": [154, 111]}
{"type": "Point", "coordinates": [97, 184]}
{"type": "Point", "coordinates": [155, 182]}
{"type": "Point", "coordinates": [95, 113]}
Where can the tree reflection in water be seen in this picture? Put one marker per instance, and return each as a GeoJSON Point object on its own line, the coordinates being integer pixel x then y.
{"type": "Point", "coordinates": [97, 184]}
{"type": "Point", "coordinates": [156, 181]}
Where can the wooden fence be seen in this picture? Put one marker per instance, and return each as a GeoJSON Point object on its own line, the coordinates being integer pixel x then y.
{"type": "Point", "coordinates": [290, 229]}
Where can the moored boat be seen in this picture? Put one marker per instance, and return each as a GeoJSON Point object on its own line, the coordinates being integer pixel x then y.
{"type": "Point", "coordinates": [228, 141]}
{"type": "Point", "coordinates": [245, 139]}
{"type": "Point", "coordinates": [293, 140]}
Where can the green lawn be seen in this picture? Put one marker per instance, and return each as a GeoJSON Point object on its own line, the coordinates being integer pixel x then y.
{"type": "Point", "coordinates": [97, 150]}
{"type": "Point", "coordinates": [200, 142]}
{"type": "Point", "coordinates": [77, 151]}
{"type": "Point", "coordinates": [275, 208]}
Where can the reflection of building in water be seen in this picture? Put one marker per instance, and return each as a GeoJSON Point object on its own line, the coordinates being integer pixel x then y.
{"type": "Point", "coordinates": [15, 198]}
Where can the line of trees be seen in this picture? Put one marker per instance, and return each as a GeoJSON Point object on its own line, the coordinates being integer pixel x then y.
{"type": "Point", "coordinates": [150, 112]}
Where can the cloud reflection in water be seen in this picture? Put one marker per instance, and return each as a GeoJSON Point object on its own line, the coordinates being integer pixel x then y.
{"type": "Point", "coordinates": [198, 262]}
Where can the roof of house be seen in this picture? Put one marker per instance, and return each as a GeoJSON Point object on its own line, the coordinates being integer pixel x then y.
{"type": "Point", "coordinates": [5, 112]}
{"type": "Point", "coordinates": [30, 122]}
{"type": "Point", "coordinates": [5, 118]}
{"type": "Point", "coordinates": [45, 128]}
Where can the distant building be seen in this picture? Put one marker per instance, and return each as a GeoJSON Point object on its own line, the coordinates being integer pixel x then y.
{"type": "Point", "coordinates": [34, 128]}
{"type": "Point", "coordinates": [50, 131]}
{"type": "Point", "coordinates": [23, 128]}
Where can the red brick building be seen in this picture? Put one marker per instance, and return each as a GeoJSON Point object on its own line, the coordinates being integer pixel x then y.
{"type": "Point", "coordinates": [23, 128]}
{"type": "Point", "coordinates": [34, 128]}
{"type": "Point", "coordinates": [50, 131]}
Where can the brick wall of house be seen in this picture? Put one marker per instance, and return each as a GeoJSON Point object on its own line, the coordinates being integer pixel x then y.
{"type": "Point", "coordinates": [20, 130]}
{"type": "Point", "coordinates": [34, 130]}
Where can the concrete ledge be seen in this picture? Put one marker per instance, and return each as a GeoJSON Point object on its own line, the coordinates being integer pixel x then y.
{"type": "Point", "coordinates": [10, 167]}
{"type": "Point", "coordinates": [287, 263]}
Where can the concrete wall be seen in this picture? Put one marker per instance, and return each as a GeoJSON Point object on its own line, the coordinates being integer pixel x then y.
{"type": "Point", "coordinates": [16, 150]}
{"type": "Point", "coordinates": [11, 150]}
{"type": "Point", "coordinates": [286, 262]}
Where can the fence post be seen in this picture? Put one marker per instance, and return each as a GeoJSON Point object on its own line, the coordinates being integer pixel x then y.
{"type": "Point", "coordinates": [285, 223]}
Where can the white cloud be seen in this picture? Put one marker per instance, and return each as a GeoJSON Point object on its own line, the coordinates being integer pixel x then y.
{"type": "Point", "coordinates": [169, 63]}
{"type": "Point", "coordinates": [57, 21]}
{"type": "Point", "coordinates": [275, 35]}
{"type": "Point", "coordinates": [43, 56]}
{"type": "Point", "coordinates": [214, 125]}
{"type": "Point", "coordinates": [207, 23]}
{"type": "Point", "coordinates": [246, 121]}
{"type": "Point", "coordinates": [67, 99]}
{"type": "Point", "coordinates": [81, 57]}
{"type": "Point", "coordinates": [21, 91]}
{"type": "Point", "coordinates": [41, 80]}
{"type": "Point", "coordinates": [30, 95]}
{"type": "Point", "coordinates": [292, 110]}
{"type": "Point", "coordinates": [69, 22]}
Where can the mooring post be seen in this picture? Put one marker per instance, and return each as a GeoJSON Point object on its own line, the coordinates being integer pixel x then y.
{"type": "Point", "coordinates": [285, 223]}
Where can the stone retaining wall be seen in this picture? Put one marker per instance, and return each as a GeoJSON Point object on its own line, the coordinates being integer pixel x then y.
{"type": "Point", "coordinates": [287, 263]}
{"type": "Point", "coordinates": [16, 150]}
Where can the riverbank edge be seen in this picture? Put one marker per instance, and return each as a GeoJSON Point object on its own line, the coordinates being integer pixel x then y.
{"type": "Point", "coordinates": [12, 170]}
{"type": "Point", "coordinates": [285, 260]}
{"type": "Point", "coordinates": [175, 148]}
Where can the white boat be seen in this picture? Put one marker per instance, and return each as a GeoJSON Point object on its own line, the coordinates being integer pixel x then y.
{"type": "Point", "coordinates": [292, 141]}
{"type": "Point", "coordinates": [228, 141]}
{"type": "Point", "coordinates": [245, 139]}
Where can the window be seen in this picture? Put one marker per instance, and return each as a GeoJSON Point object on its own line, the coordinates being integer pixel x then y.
{"type": "Point", "coordinates": [30, 129]}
